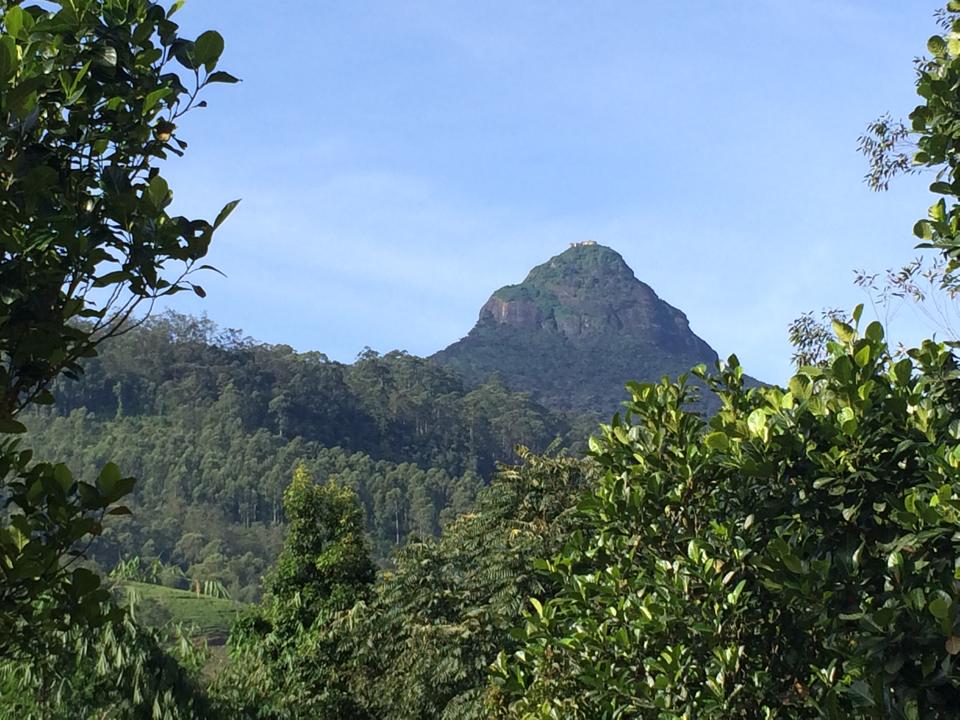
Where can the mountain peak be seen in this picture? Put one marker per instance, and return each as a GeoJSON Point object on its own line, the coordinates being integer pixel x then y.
{"type": "Point", "coordinates": [584, 291]}
{"type": "Point", "coordinates": [584, 314]}
{"type": "Point", "coordinates": [580, 261]}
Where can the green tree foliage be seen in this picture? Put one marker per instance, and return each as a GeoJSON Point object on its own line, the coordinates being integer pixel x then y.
{"type": "Point", "coordinates": [439, 619]}
{"type": "Point", "coordinates": [928, 141]}
{"type": "Point", "coordinates": [325, 559]}
{"type": "Point", "coordinates": [289, 656]}
{"type": "Point", "coordinates": [930, 286]}
{"type": "Point", "coordinates": [48, 516]}
{"type": "Point", "coordinates": [90, 98]}
{"type": "Point", "coordinates": [329, 642]}
{"type": "Point", "coordinates": [795, 556]}
{"type": "Point", "coordinates": [810, 335]}
{"type": "Point", "coordinates": [120, 670]}
{"type": "Point", "coordinates": [933, 126]}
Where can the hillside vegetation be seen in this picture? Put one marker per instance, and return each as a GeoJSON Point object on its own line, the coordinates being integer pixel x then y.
{"type": "Point", "coordinates": [212, 425]}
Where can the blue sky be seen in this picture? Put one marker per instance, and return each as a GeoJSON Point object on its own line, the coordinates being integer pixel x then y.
{"type": "Point", "coordinates": [398, 162]}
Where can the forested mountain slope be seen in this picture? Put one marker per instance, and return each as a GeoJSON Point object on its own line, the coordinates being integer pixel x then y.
{"type": "Point", "coordinates": [212, 424]}
{"type": "Point", "coordinates": [394, 407]}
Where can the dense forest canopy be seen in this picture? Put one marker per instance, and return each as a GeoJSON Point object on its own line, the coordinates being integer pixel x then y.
{"type": "Point", "coordinates": [213, 423]}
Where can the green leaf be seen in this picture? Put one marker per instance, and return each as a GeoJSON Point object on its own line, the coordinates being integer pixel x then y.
{"type": "Point", "coordinates": [107, 56]}
{"type": "Point", "coordinates": [939, 607]}
{"type": "Point", "coordinates": [857, 313]}
{"type": "Point", "coordinates": [35, 491]}
{"type": "Point", "coordinates": [158, 191]}
{"type": "Point", "coordinates": [207, 49]}
{"type": "Point", "coordinates": [860, 694]}
{"type": "Point", "coordinates": [112, 278]}
{"type": "Point", "coordinates": [85, 581]}
{"type": "Point", "coordinates": [793, 563]}
{"type": "Point", "coordinates": [874, 332]}
{"type": "Point", "coordinates": [717, 441]}
{"type": "Point", "coordinates": [109, 478]}
{"type": "Point", "coordinates": [903, 370]}
{"type": "Point", "coordinates": [63, 476]}
{"type": "Point", "coordinates": [9, 425]}
{"type": "Point", "coordinates": [183, 51]}
{"type": "Point", "coordinates": [222, 77]}
{"type": "Point", "coordinates": [857, 557]}
{"type": "Point", "coordinates": [13, 20]}
{"type": "Point", "coordinates": [153, 98]}
{"type": "Point", "coordinates": [936, 46]}
{"type": "Point", "coordinates": [225, 213]}
{"type": "Point", "coordinates": [756, 422]}
{"type": "Point", "coordinates": [843, 331]}
{"type": "Point", "coordinates": [124, 487]}
{"type": "Point", "coordinates": [734, 596]}
{"type": "Point", "coordinates": [9, 63]}
{"type": "Point", "coordinates": [848, 420]}
{"type": "Point", "coordinates": [938, 212]}
{"type": "Point", "coordinates": [89, 497]}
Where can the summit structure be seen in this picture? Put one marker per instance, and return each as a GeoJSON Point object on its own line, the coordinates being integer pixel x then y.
{"type": "Point", "coordinates": [578, 328]}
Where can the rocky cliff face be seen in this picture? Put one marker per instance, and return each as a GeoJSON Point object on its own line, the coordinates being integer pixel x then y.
{"type": "Point", "coordinates": [575, 331]}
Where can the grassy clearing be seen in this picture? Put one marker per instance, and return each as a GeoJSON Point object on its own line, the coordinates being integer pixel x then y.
{"type": "Point", "coordinates": [157, 606]}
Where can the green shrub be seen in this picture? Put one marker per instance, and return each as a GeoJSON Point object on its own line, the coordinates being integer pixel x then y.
{"type": "Point", "coordinates": [796, 556]}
